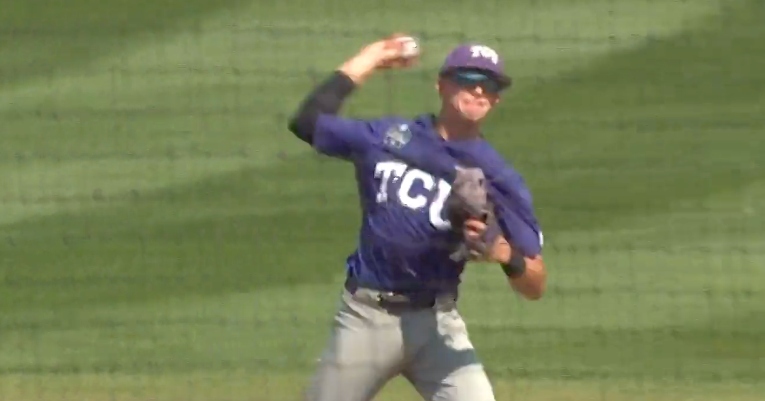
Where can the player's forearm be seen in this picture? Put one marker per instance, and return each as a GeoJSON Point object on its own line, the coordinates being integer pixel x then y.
{"type": "Point", "coordinates": [327, 98]}
{"type": "Point", "coordinates": [531, 285]}
{"type": "Point", "coordinates": [359, 68]}
{"type": "Point", "coordinates": [527, 276]}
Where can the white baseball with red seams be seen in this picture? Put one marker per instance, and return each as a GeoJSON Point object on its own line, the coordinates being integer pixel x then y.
{"type": "Point", "coordinates": [411, 48]}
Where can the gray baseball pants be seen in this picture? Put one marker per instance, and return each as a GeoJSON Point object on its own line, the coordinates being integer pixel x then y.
{"type": "Point", "coordinates": [369, 345]}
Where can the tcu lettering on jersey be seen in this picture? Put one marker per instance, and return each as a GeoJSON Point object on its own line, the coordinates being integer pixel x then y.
{"type": "Point", "coordinates": [438, 190]}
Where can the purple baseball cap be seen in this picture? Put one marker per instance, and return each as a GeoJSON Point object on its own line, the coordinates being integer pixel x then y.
{"type": "Point", "coordinates": [472, 56]}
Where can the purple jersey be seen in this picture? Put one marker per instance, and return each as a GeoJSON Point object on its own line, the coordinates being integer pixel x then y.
{"type": "Point", "coordinates": [405, 240]}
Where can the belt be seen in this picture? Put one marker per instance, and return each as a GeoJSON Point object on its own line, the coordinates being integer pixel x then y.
{"type": "Point", "coordinates": [401, 300]}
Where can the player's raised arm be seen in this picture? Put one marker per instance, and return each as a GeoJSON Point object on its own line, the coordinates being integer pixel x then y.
{"type": "Point", "coordinates": [316, 121]}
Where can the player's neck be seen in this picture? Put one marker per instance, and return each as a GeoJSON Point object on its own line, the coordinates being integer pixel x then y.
{"type": "Point", "coordinates": [454, 128]}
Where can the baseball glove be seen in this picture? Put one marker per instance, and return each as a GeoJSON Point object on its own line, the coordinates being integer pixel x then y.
{"type": "Point", "coordinates": [469, 200]}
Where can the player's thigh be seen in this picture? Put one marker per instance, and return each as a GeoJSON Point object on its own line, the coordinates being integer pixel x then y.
{"type": "Point", "coordinates": [362, 354]}
{"type": "Point", "coordinates": [461, 385]}
{"type": "Point", "coordinates": [332, 382]}
{"type": "Point", "coordinates": [447, 367]}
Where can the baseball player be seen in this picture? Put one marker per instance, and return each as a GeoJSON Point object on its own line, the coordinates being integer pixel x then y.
{"type": "Point", "coordinates": [419, 183]}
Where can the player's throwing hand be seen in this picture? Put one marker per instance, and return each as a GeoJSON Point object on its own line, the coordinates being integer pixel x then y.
{"type": "Point", "coordinates": [395, 51]}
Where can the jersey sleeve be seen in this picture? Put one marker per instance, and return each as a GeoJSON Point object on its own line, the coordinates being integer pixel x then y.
{"type": "Point", "coordinates": [513, 205]}
{"type": "Point", "coordinates": [342, 137]}
{"type": "Point", "coordinates": [516, 219]}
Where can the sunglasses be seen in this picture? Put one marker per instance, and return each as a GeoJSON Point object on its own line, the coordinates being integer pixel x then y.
{"type": "Point", "coordinates": [471, 79]}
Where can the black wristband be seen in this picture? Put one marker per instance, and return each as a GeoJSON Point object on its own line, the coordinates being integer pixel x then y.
{"type": "Point", "coordinates": [516, 266]}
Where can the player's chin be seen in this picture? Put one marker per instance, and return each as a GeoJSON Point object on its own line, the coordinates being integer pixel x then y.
{"type": "Point", "coordinates": [475, 115]}
{"type": "Point", "coordinates": [475, 111]}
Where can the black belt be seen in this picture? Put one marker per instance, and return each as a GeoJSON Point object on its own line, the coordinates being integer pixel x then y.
{"type": "Point", "coordinates": [393, 299]}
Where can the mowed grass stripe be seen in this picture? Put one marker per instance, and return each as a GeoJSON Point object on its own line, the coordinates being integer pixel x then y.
{"type": "Point", "coordinates": [39, 42]}
{"type": "Point", "coordinates": [235, 386]}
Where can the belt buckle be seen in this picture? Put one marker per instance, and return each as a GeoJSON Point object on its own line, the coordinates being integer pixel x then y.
{"type": "Point", "coordinates": [393, 298]}
{"type": "Point", "coordinates": [398, 300]}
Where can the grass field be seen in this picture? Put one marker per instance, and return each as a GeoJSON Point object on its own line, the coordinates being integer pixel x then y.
{"type": "Point", "coordinates": [162, 237]}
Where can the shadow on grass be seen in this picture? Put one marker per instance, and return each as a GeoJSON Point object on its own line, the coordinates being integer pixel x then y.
{"type": "Point", "coordinates": [38, 38]}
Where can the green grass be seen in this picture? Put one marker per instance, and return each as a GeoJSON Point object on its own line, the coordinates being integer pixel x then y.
{"type": "Point", "coordinates": [163, 237]}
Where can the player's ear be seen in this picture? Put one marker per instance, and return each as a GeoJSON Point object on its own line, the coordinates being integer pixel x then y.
{"type": "Point", "coordinates": [440, 89]}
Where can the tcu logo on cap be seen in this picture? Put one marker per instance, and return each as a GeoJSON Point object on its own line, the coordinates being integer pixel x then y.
{"type": "Point", "coordinates": [484, 52]}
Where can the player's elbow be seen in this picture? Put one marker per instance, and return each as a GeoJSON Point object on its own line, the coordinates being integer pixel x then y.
{"type": "Point", "coordinates": [301, 126]}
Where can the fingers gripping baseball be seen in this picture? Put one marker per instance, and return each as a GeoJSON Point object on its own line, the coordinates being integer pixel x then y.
{"type": "Point", "coordinates": [398, 51]}
{"type": "Point", "coordinates": [395, 51]}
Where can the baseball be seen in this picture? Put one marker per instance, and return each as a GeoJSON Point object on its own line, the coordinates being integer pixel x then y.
{"type": "Point", "coordinates": [409, 50]}
{"type": "Point", "coordinates": [409, 46]}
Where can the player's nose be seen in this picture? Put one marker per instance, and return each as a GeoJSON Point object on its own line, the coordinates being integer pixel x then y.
{"type": "Point", "coordinates": [479, 92]}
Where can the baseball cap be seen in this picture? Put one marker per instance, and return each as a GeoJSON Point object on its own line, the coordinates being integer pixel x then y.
{"type": "Point", "coordinates": [471, 56]}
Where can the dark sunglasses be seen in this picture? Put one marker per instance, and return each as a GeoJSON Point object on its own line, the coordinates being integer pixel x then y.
{"type": "Point", "coordinates": [471, 79]}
